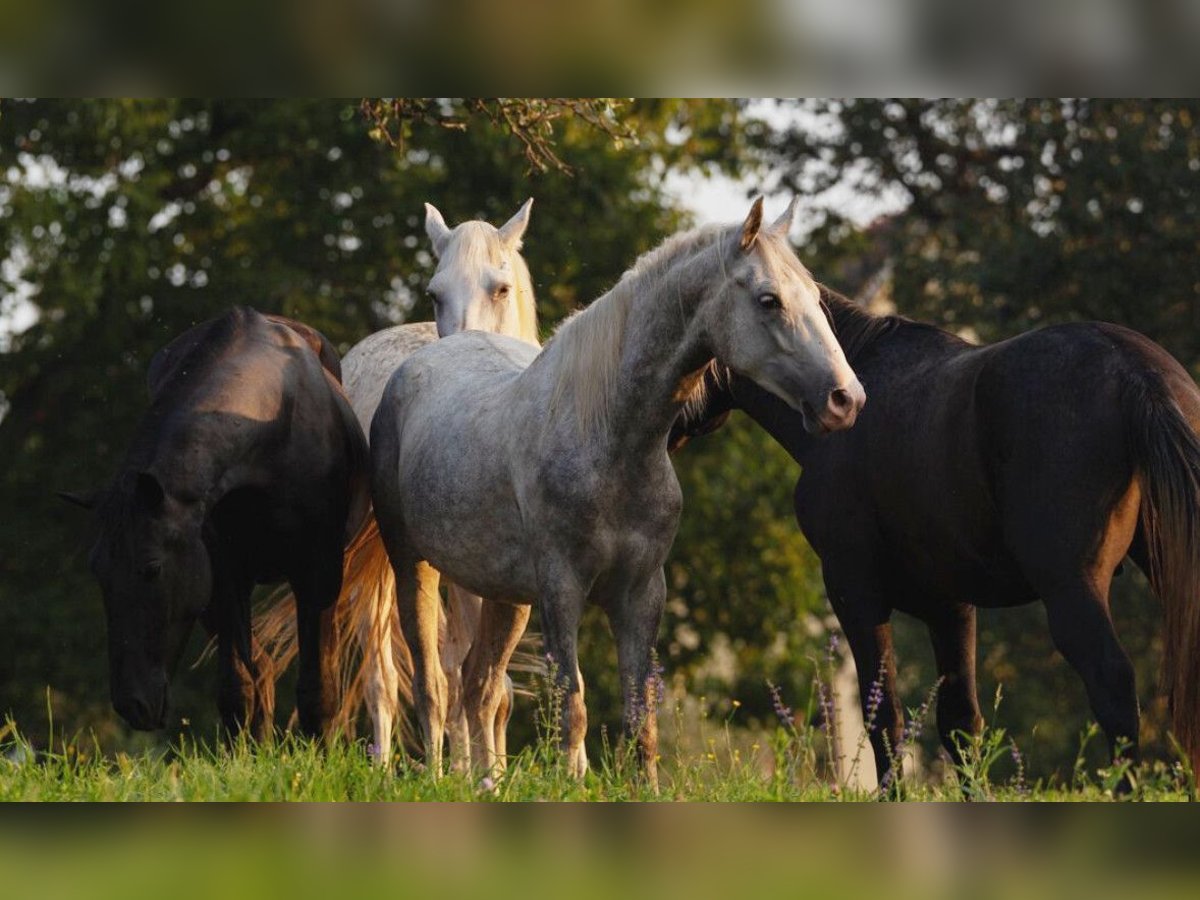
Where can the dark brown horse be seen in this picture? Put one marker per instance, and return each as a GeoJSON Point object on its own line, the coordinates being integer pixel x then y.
{"type": "Point", "coordinates": [995, 476]}
{"type": "Point", "coordinates": [249, 467]}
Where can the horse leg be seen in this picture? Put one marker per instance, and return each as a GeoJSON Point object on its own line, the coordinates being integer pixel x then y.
{"type": "Point", "coordinates": [500, 726]}
{"type": "Point", "coordinates": [317, 683]}
{"type": "Point", "coordinates": [561, 609]}
{"type": "Point", "coordinates": [1072, 573]}
{"type": "Point", "coordinates": [1082, 629]}
{"type": "Point", "coordinates": [953, 637]}
{"type": "Point", "coordinates": [461, 630]}
{"type": "Point", "coordinates": [864, 619]}
{"type": "Point", "coordinates": [235, 690]}
{"type": "Point", "coordinates": [486, 687]}
{"type": "Point", "coordinates": [419, 604]}
{"type": "Point", "coordinates": [228, 617]}
{"type": "Point", "coordinates": [635, 618]}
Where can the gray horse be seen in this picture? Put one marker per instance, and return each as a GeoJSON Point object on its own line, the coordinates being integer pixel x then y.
{"type": "Point", "coordinates": [530, 477]}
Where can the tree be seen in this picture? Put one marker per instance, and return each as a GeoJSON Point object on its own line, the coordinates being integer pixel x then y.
{"type": "Point", "coordinates": [1020, 213]}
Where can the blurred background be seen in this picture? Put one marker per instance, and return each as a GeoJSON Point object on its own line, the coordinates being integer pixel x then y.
{"type": "Point", "coordinates": [124, 222]}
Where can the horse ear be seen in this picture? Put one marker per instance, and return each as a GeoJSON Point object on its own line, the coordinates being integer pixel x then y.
{"type": "Point", "coordinates": [783, 225]}
{"type": "Point", "coordinates": [149, 491]}
{"type": "Point", "coordinates": [512, 230]}
{"type": "Point", "coordinates": [751, 226]}
{"type": "Point", "coordinates": [435, 227]}
{"type": "Point", "coordinates": [86, 499]}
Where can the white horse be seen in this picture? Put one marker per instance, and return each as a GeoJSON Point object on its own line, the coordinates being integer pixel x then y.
{"type": "Point", "coordinates": [481, 283]}
{"type": "Point", "coordinates": [530, 477]}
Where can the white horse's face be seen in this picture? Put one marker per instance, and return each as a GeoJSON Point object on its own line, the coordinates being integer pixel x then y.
{"type": "Point", "coordinates": [767, 322]}
{"type": "Point", "coordinates": [479, 274]}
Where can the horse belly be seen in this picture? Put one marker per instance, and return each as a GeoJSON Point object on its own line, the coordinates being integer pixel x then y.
{"type": "Point", "coordinates": [989, 580]}
{"type": "Point", "coordinates": [473, 537]}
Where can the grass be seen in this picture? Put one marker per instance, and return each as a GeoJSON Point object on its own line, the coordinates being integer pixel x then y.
{"type": "Point", "coordinates": [703, 761]}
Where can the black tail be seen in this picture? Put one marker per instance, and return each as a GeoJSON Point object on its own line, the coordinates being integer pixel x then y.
{"type": "Point", "coordinates": [1167, 456]}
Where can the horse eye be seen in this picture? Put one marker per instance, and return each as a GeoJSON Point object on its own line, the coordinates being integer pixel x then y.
{"type": "Point", "coordinates": [433, 297]}
{"type": "Point", "coordinates": [769, 301]}
{"type": "Point", "coordinates": [150, 571]}
{"type": "Point", "coordinates": [502, 290]}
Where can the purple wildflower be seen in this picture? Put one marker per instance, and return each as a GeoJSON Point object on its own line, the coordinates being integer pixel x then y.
{"type": "Point", "coordinates": [825, 701]}
{"type": "Point", "coordinates": [657, 682]}
{"type": "Point", "coordinates": [1019, 760]}
{"type": "Point", "coordinates": [782, 712]}
{"type": "Point", "coordinates": [874, 701]}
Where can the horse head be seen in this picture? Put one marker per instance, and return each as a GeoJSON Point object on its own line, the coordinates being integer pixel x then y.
{"type": "Point", "coordinates": [481, 282]}
{"type": "Point", "coordinates": [766, 321]}
{"type": "Point", "coordinates": [156, 579]}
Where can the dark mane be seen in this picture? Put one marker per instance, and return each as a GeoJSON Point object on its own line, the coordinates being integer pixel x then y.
{"type": "Point", "coordinates": [856, 328]}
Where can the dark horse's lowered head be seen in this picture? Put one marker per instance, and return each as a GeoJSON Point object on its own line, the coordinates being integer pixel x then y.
{"type": "Point", "coordinates": [994, 476]}
{"type": "Point", "coordinates": [248, 467]}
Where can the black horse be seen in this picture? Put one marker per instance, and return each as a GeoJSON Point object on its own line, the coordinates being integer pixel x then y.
{"type": "Point", "coordinates": [248, 468]}
{"type": "Point", "coordinates": [994, 476]}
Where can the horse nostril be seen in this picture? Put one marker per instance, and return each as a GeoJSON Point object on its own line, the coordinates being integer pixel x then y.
{"type": "Point", "coordinates": [840, 401]}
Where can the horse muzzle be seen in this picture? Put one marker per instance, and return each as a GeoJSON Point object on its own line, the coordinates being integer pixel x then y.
{"type": "Point", "coordinates": [838, 410]}
{"type": "Point", "coordinates": [143, 709]}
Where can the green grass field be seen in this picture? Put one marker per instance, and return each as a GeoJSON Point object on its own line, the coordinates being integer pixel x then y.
{"type": "Point", "coordinates": [702, 761]}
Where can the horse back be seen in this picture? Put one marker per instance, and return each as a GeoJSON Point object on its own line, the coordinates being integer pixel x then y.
{"type": "Point", "coordinates": [372, 361]}
{"type": "Point", "coordinates": [1068, 387]}
{"type": "Point", "coordinates": [320, 344]}
{"type": "Point", "coordinates": [248, 400]}
{"type": "Point", "coordinates": [1061, 413]}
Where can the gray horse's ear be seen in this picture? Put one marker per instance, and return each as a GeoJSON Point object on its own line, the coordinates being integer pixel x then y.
{"type": "Point", "coordinates": [783, 225]}
{"type": "Point", "coordinates": [751, 226]}
{"type": "Point", "coordinates": [86, 499]}
{"type": "Point", "coordinates": [436, 228]}
{"type": "Point", "coordinates": [513, 230]}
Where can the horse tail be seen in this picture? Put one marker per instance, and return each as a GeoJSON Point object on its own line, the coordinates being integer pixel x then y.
{"type": "Point", "coordinates": [1166, 453]}
{"type": "Point", "coordinates": [362, 612]}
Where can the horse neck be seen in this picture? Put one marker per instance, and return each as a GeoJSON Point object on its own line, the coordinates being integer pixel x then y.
{"type": "Point", "coordinates": [664, 351]}
{"type": "Point", "coordinates": [771, 414]}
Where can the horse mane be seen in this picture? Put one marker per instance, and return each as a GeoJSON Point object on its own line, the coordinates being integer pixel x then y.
{"type": "Point", "coordinates": [590, 341]}
{"type": "Point", "coordinates": [479, 242]}
{"type": "Point", "coordinates": [526, 301]}
{"type": "Point", "coordinates": [853, 326]}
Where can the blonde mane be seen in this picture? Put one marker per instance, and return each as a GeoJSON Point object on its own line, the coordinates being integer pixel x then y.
{"type": "Point", "coordinates": [479, 242]}
{"type": "Point", "coordinates": [590, 341]}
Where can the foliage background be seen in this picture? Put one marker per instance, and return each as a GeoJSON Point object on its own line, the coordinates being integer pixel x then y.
{"type": "Point", "coordinates": [124, 222]}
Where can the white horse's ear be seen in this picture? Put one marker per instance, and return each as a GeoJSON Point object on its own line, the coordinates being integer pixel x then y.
{"type": "Point", "coordinates": [513, 230]}
{"type": "Point", "coordinates": [435, 227]}
{"type": "Point", "coordinates": [751, 226]}
{"type": "Point", "coordinates": [783, 225]}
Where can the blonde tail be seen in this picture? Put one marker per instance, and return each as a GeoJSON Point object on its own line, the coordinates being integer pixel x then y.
{"type": "Point", "coordinates": [373, 660]}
